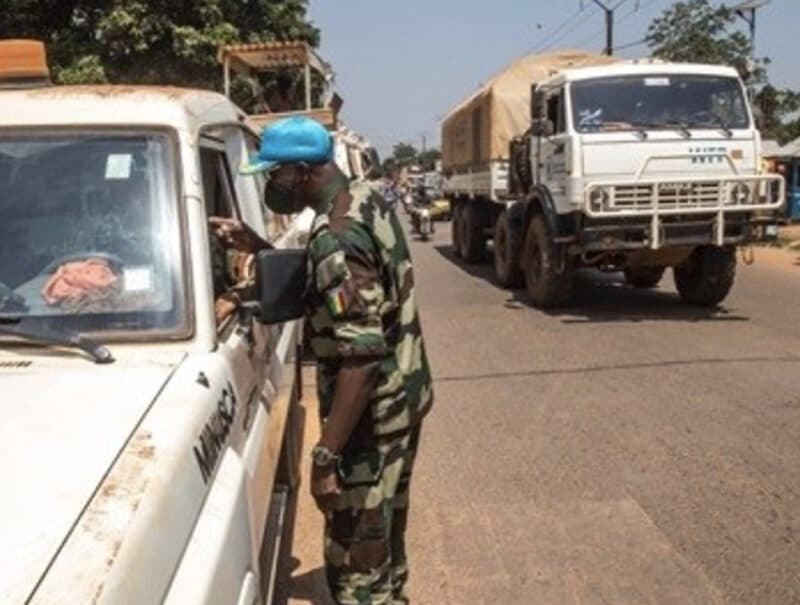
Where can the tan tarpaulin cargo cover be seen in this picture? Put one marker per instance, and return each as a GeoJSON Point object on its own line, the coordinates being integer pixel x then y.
{"type": "Point", "coordinates": [480, 129]}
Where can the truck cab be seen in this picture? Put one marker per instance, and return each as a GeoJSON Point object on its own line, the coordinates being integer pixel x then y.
{"type": "Point", "coordinates": [143, 427]}
{"type": "Point", "coordinates": [642, 165]}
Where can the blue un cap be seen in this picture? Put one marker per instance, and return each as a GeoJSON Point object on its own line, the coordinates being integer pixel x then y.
{"type": "Point", "coordinates": [290, 141]}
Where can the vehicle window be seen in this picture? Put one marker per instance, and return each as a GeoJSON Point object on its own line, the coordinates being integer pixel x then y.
{"type": "Point", "coordinates": [217, 183]}
{"type": "Point", "coordinates": [220, 202]}
{"type": "Point", "coordinates": [90, 237]}
{"type": "Point", "coordinates": [659, 102]}
{"type": "Point", "coordinates": [555, 111]}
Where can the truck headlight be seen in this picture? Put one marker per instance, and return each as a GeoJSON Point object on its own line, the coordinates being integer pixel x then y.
{"type": "Point", "coordinates": [598, 198]}
{"type": "Point", "coordinates": [740, 194]}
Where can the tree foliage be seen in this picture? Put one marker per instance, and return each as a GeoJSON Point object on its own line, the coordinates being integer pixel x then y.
{"type": "Point", "coordinates": [695, 31]}
{"type": "Point", "coordinates": [427, 159]}
{"type": "Point", "coordinates": [150, 41]}
{"type": "Point", "coordinates": [404, 154]}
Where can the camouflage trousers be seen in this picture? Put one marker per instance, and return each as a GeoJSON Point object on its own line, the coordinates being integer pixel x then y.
{"type": "Point", "coordinates": [365, 551]}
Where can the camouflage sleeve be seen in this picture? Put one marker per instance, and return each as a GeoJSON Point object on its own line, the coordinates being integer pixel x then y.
{"type": "Point", "coordinates": [346, 276]}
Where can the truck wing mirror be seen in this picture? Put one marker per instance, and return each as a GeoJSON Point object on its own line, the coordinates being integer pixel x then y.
{"type": "Point", "coordinates": [542, 127]}
{"type": "Point", "coordinates": [537, 103]}
{"type": "Point", "coordinates": [280, 285]}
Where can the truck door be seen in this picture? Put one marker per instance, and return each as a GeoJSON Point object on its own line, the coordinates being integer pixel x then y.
{"type": "Point", "coordinates": [553, 157]}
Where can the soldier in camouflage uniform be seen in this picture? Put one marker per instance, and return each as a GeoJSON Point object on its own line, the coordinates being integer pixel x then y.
{"type": "Point", "coordinates": [374, 382]}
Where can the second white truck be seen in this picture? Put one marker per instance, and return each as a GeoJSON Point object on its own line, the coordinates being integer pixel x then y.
{"type": "Point", "coordinates": [573, 160]}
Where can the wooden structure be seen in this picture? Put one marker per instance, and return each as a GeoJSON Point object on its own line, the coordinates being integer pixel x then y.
{"type": "Point", "coordinates": [252, 59]}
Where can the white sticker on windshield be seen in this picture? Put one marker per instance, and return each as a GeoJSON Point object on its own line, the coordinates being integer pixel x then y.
{"type": "Point", "coordinates": [656, 81]}
{"type": "Point", "coordinates": [118, 167]}
{"type": "Point", "coordinates": [138, 279]}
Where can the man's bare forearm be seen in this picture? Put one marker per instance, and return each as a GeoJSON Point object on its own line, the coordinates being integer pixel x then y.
{"type": "Point", "coordinates": [355, 383]}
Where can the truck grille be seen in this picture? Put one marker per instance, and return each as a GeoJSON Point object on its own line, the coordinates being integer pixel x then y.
{"type": "Point", "coordinates": [667, 195]}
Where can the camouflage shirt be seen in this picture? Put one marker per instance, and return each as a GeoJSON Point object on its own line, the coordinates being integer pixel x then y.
{"type": "Point", "coordinates": [361, 305]}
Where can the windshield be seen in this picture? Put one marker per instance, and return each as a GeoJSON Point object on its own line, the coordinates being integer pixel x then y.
{"type": "Point", "coordinates": [658, 102]}
{"type": "Point", "coordinates": [89, 239]}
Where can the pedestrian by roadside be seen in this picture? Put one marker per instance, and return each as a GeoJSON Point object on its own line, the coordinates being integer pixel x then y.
{"type": "Point", "coordinates": [374, 382]}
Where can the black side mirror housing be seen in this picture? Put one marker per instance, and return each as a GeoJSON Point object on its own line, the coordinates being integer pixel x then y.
{"type": "Point", "coordinates": [537, 103]}
{"type": "Point", "coordinates": [280, 285]}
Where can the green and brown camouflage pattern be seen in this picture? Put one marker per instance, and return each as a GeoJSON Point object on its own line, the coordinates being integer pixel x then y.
{"type": "Point", "coordinates": [361, 303]}
{"type": "Point", "coordinates": [365, 551]}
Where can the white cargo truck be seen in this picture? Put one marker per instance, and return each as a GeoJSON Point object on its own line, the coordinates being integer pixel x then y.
{"type": "Point", "coordinates": [572, 160]}
{"type": "Point", "coordinates": [147, 443]}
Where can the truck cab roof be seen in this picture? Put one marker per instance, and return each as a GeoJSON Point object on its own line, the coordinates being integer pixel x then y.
{"type": "Point", "coordinates": [183, 109]}
{"type": "Point", "coordinates": [645, 67]}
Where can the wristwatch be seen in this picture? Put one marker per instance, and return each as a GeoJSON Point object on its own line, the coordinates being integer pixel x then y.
{"type": "Point", "coordinates": [323, 457]}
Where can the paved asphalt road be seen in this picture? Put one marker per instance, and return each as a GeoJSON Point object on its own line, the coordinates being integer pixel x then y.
{"type": "Point", "coordinates": [627, 450]}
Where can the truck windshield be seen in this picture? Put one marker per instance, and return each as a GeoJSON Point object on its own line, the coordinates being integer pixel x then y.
{"type": "Point", "coordinates": [658, 102]}
{"type": "Point", "coordinates": [89, 236]}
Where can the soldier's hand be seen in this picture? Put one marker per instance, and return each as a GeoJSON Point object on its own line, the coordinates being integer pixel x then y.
{"type": "Point", "coordinates": [325, 487]}
{"type": "Point", "coordinates": [237, 235]}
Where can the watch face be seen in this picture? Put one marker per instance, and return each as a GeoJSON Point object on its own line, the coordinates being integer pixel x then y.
{"type": "Point", "coordinates": [321, 456]}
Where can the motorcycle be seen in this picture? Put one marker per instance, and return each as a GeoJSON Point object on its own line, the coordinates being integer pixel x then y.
{"type": "Point", "coordinates": [421, 220]}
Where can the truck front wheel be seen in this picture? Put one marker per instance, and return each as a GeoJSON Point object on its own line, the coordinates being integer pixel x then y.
{"type": "Point", "coordinates": [506, 253]}
{"type": "Point", "coordinates": [473, 239]}
{"type": "Point", "coordinates": [707, 277]}
{"type": "Point", "coordinates": [549, 279]}
{"type": "Point", "coordinates": [644, 277]}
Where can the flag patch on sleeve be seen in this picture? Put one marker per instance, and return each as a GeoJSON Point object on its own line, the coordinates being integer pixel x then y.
{"type": "Point", "coordinates": [338, 301]}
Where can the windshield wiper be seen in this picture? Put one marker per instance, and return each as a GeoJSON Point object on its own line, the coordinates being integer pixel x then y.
{"type": "Point", "coordinates": [716, 121]}
{"type": "Point", "coordinates": [11, 300]}
{"type": "Point", "coordinates": [679, 126]}
{"type": "Point", "coordinates": [70, 340]}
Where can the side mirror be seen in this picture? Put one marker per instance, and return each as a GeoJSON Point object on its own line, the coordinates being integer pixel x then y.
{"type": "Point", "coordinates": [537, 103]}
{"type": "Point", "coordinates": [542, 127]}
{"type": "Point", "coordinates": [280, 285]}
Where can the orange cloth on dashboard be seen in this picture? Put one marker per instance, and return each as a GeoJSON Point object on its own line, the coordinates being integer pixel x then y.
{"type": "Point", "coordinates": [77, 280]}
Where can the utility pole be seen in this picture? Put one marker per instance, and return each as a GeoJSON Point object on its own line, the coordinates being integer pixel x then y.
{"type": "Point", "coordinates": [750, 17]}
{"type": "Point", "coordinates": [609, 11]}
{"type": "Point", "coordinates": [747, 11]}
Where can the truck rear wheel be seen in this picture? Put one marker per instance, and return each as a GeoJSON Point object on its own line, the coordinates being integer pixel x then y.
{"type": "Point", "coordinates": [507, 248]}
{"type": "Point", "coordinates": [644, 277]}
{"type": "Point", "coordinates": [456, 229]}
{"type": "Point", "coordinates": [707, 277]}
{"type": "Point", "coordinates": [473, 239]}
{"type": "Point", "coordinates": [547, 282]}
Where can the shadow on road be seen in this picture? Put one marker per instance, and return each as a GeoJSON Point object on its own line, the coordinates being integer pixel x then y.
{"type": "Point", "coordinates": [310, 587]}
{"type": "Point", "coordinates": [604, 298]}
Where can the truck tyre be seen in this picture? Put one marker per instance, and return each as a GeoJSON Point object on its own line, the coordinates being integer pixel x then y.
{"type": "Point", "coordinates": [707, 277]}
{"type": "Point", "coordinates": [473, 239]}
{"type": "Point", "coordinates": [507, 248]}
{"type": "Point", "coordinates": [547, 282]}
{"type": "Point", "coordinates": [456, 229]}
{"type": "Point", "coordinates": [644, 277]}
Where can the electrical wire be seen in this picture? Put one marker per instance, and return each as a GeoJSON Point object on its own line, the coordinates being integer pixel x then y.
{"type": "Point", "coordinates": [578, 22]}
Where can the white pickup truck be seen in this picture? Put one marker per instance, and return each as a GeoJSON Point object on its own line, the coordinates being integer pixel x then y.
{"type": "Point", "coordinates": [141, 437]}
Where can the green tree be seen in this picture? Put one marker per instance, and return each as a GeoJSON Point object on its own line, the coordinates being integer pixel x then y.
{"type": "Point", "coordinates": [404, 154]}
{"type": "Point", "coordinates": [150, 41]}
{"type": "Point", "coordinates": [428, 158]}
{"type": "Point", "coordinates": [695, 31]}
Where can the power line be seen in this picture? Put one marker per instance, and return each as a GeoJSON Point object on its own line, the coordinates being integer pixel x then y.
{"type": "Point", "coordinates": [544, 42]}
{"type": "Point", "coordinates": [576, 24]}
{"type": "Point", "coordinates": [631, 44]}
{"type": "Point", "coordinates": [638, 8]}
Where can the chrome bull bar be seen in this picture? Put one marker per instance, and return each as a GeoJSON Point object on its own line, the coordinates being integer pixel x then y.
{"type": "Point", "coordinates": [657, 198]}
